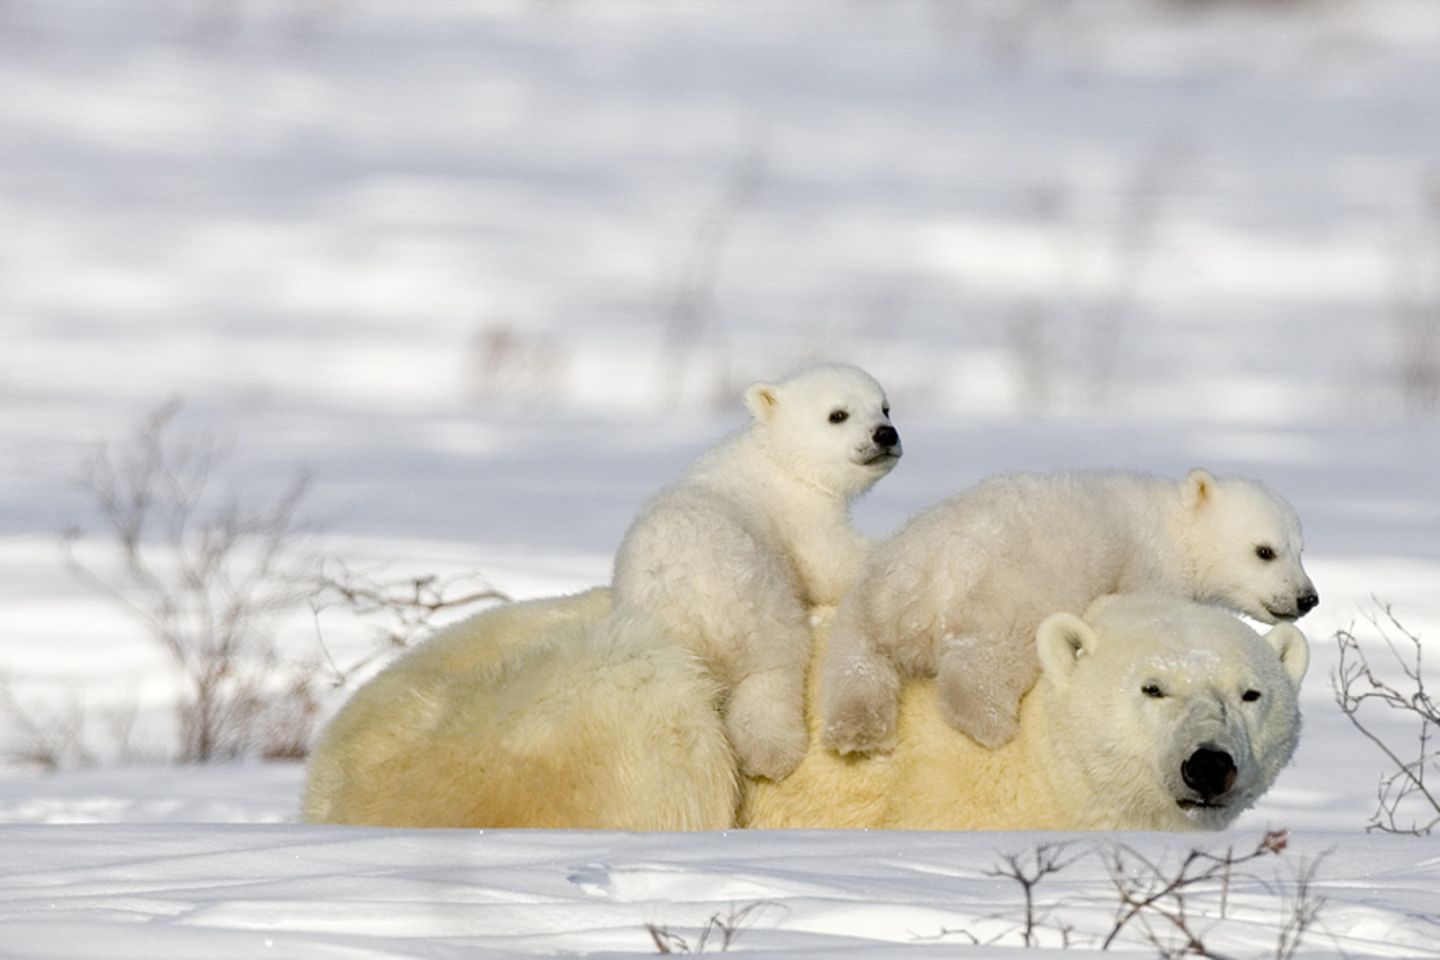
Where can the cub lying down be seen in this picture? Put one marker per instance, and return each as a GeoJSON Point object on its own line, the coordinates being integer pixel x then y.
{"type": "Point", "coordinates": [1150, 713]}
{"type": "Point", "coordinates": [958, 593]}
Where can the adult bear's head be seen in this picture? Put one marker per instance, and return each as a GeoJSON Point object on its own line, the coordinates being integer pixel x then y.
{"type": "Point", "coordinates": [1166, 714]}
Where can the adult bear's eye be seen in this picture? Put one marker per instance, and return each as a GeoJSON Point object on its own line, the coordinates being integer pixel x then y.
{"type": "Point", "coordinates": [1153, 691]}
{"type": "Point", "coordinates": [1250, 696]}
{"type": "Point", "coordinates": [838, 416]}
{"type": "Point", "coordinates": [1265, 553]}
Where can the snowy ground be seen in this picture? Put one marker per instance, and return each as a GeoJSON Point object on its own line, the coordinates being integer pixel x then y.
{"type": "Point", "coordinates": [491, 271]}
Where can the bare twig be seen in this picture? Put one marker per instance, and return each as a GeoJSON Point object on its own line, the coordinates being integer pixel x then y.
{"type": "Point", "coordinates": [689, 312]}
{"type": "Point", "coordinates": [1150, 892]}
{"type": "Point", "coordinates": [725, 929]}
{"type": "Point", "coordinates": [1045, 860]}
{"type": "Point", "coordinates": [1404, 792]}
{"type": "Point", "coordinates": [401, 609]}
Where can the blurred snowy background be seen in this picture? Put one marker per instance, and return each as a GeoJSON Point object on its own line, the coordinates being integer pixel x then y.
{"type": "Point", "coordinates": [489, 273]}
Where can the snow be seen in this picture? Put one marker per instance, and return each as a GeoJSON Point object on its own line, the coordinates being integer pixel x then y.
{"type": "Point", "coordinates": [433, 253]}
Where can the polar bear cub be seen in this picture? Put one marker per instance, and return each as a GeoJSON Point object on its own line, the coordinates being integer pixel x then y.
{"type": "Point", "coordinates": [730, 557]}
{"type": "Point", "coordinates": [959, 592]}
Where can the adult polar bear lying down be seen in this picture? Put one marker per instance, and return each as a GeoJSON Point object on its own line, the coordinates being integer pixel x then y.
{"type": "Point", "coordinates": [1150, 713]}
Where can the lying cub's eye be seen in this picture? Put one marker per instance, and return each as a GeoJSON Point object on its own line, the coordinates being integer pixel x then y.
{"type": "Point", "coordinates": [1250, 696]}
{"type": "Point", "coordinates": [838, 416]}
{"type": "Point", "coordinates": [885, 411]}
{"type": "Point", "coordinates": [1265, 553]}
{"type": "Point", "coordinates": [1153, 691]}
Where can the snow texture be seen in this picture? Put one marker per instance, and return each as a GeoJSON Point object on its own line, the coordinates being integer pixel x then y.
{"type": "Point", "coordinates": [494, 272]}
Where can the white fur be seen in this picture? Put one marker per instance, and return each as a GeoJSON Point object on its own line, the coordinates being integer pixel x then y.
{"type": "Point", "coordinates": [959, 592]}
{"type": "Point", "coordinates": [729, 558]}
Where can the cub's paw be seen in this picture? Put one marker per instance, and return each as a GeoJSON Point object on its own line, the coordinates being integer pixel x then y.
{"type": "Point", "coordinates": [773, 757]}
{"type": "Point", "coordinates": [860, 725]}
{"type": "Point", "coordinates": [988, 719]}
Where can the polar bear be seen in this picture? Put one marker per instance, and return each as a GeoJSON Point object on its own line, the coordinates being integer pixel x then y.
{"type": "Point", "coordinates": [1150, 713]}
{"type": "Point", "coordinates": [730, 557]}
{"type": "Point", "coordinates": [959, 591]}
{"type": "Point", "coordinates": [546, 713]}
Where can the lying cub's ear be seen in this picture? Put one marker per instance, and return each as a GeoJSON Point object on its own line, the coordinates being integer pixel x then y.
{"type": "Point", "coordinates": [1199, 487]}
{"type": "Point", "coordinates": [1062, 640]}
{"type": "Point", "coordinates": [761, 399]}
{"type": "Point", "coordinates": [1293, 648]}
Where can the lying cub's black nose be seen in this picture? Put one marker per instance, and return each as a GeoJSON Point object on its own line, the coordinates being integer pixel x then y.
{"type": "Point", "coordinates": [1209, 772]}
{"type": "Point", "coordinates": [886, 436]}
{"type": "Point", "coordinates": [1307, 602]}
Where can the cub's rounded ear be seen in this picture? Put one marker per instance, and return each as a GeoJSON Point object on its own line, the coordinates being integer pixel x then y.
{"type": "Point", "coordinates": [762, 399]}
{"type": "Point", "coordinates": [1293, 649]}
{"type": "Point", "coordinates": [1062, 640]}
{"type": "Point", "coordinates": [1198, 488]}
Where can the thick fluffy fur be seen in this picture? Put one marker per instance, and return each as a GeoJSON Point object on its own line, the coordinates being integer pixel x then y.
{"type": "Point", "coordinates": [959, 592]}
{"type": "Point", "coordinates": [542, 714]}
{"type": "Point", "coordinates": [1096, 748]}
{"type": "Point", "coordinates": [730, 557]}
{"type": "Point", "coordinates": [571, 718]}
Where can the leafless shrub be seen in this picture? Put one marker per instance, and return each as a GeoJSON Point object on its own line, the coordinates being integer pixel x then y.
{"type": "Point", "coordinates": [399, 609]}
{"type": "Point", "coordinates": [1416, 313]}
{"type": "Point", "coordinates": [688, 316]}
{"type": "Point", "coordinates": [1160, 900]}
{"type": "Point", "coordinates": [1407, 801]}
{"type": "Point", "coordinates": [54, 735]}
{"type": "Point", "coordinates": [1101, 276]}
{"type": "Point", "coordinates": [1045, 860]}
{"type": "Point", "coordinates": [720, 931]}
{"type": "Point", "coordinates": [48, 735]}
{"type": "Point", "coordinates": [205, 574]}
{"type": "Point", "coordinates": [1172, 907]}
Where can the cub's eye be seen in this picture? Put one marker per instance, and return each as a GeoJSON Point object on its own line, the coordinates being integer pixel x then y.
{"type": "Point", "coordinates": [885, 411]}
{"type": "Point", "coordinates": [1265, 553]}
{"type": "Point", "coordinates": [1250, 696]}
{"type": "Point", "coordinates": [839, 416]}
{"type": "Point", "coordinates": [1153, 691]}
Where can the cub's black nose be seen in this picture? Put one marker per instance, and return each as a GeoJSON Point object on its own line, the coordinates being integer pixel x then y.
{"type": "Point", "coordinates": [1307, 602]}
{"type": "Point", "coordinates": [1209, 772]}
{"type": "Point", "coordinates": [885, 436]}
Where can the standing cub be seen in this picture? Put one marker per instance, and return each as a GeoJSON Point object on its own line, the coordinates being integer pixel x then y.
{"type": "Point", "coordinates": [730, 558]}
{"type": "Point", "coordinates": [959, 592]}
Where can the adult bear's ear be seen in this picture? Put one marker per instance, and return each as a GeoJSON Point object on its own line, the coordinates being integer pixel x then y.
{"type": "Point", "coordinates": [762, 399]}
{"type": "Point", "coordinates": [1292, 647]}
{"type": "Point", "coordinates": [1062, 640]}
{"type": "Point", "coordinates": [1198, 488]}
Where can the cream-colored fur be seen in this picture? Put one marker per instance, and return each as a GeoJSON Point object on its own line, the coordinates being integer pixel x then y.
{"type": "Point", "coordinates": [589, 721]}
{"type": "Point", "coordinates": [549, 713]}
{"type": "Point", "coordinates": [1093, 750]}
{"type": "Point", "coordinates": [730, 557]}
{"type": "Point", "coordinates": [958, 593]}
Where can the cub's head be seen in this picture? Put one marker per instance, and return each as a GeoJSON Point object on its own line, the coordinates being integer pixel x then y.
{"type": "Point", "coordinates": [829, 425]}
{"type": "Point", "coordinates": [1242, 542]}
{"type": "Point", "coordinates": [1169, 714]}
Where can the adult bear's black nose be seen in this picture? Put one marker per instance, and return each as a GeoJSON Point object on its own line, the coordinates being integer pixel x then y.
{"type": "Point", "coordinates": [1209, 772]}
{"type": "Point", "coordinates": [1307, 602]}
{"type": "Point", "coordinates": [885, 436]}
